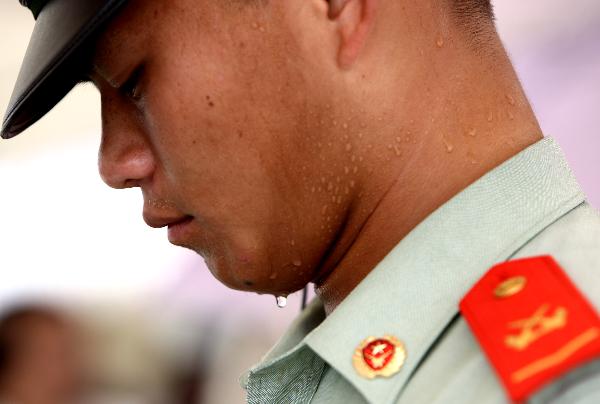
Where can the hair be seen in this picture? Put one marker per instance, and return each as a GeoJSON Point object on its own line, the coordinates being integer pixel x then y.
{"type": "Point", "coordinates": [476, 20]}
{"type": "Point", "coordinates": [481, 10]}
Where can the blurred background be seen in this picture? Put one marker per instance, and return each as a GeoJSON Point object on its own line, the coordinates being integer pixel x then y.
{"type": "Point", "coordinates": [77, 258]}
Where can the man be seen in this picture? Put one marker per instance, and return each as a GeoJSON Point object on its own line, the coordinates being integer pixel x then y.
{"type": "Point", "coordinates": [382, 150]}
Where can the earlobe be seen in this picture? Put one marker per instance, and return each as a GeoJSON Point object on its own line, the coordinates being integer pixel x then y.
{"type": "Point", "coordinates": [354, 18]}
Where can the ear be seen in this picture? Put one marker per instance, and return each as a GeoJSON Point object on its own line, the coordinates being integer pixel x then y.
{"type": "Point", "coordinates": [354, 19]}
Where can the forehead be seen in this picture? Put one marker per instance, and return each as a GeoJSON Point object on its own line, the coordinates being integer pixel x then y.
{"type": "Point", "coordinates": [126, 32]}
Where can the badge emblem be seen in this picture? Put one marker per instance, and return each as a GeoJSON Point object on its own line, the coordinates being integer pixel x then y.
{"type": "Point", "coordinates": [379, 357]}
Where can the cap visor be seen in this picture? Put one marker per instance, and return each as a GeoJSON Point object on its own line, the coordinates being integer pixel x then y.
{"type": "Point", "coordinates": [56, 58]}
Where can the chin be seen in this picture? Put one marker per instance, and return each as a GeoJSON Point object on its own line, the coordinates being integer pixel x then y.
{"type": "Point", "coordinates": [237, 277]}
{"type": "Point", "coordinates": [254, 279]}
{"type": "Point", "coordinates": [246, 270]}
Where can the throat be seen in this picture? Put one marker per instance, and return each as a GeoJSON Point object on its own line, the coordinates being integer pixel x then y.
{"type": "Point", "coordinates": [376, 224]}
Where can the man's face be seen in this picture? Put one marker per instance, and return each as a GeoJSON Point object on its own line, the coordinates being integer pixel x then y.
{"type": "Point", "coordinates": [224, 123]}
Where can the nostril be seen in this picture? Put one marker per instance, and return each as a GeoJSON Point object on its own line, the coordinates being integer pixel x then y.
{"type": "Point", "coordinates": [125, 158]}
{"type": "Point", "coordinates": [126, 171]}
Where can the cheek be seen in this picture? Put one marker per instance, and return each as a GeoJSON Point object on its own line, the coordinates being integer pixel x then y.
{"type": "Point", "coordinates": [212, 126]}
{"type": "Point", "coordinates": [226, 127]}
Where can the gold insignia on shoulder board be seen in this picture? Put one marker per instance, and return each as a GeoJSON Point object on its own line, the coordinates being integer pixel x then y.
{"type": "Point", "coordinates": [510, 287]}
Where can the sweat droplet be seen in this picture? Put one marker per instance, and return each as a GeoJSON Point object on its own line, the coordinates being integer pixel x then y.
{"type": "Point", "coordinates": [440, 42]}
{"type": "Point", "coordinates": [273, 276]}
{"type": "Point", "coordinates": [448, 145]}
{"type": "Point", "coordinates": [281, 301]}
{"type": "Point", "coordinates": [297, 263]}
{"type": "Point", "coordinates": [472, 132]}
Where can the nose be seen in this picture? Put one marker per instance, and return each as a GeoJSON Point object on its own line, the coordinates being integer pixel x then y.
{"type": "Point", "coordinates": [125, 158]}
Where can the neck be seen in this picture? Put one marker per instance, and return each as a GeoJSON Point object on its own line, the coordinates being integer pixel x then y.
{"type": "Point", "coordinates": [462, 122]}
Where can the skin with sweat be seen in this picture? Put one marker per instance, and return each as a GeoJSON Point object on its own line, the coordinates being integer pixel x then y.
{"type": "Point", "coordinates": [290, 142]}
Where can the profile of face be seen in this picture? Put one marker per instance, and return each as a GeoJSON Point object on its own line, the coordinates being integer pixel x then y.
{"type": "Point", "coordinates": [225, 114]}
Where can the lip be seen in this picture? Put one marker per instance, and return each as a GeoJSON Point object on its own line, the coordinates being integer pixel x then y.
{"type": "Point", "coordinates": [178, 225]}
{"type": "Point", "coordinates": [180, 230]}
{"type": "Point", "coordinates": [157, 221]}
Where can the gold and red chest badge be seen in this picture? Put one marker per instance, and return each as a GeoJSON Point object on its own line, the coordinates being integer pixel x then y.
{"type": "Point", "coordinates": [532, 322]}
{"type": "Point", "coordinates": [379, 357]}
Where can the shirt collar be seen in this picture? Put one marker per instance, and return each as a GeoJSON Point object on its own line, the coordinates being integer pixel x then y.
{"type": "Point", "coordinates": [414, 291]}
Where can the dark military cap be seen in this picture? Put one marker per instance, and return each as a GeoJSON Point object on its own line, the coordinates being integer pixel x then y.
{"type": "Point", "coordinates": [58, 55]}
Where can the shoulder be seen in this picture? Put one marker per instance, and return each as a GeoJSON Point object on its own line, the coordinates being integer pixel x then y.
{"type": "Point", "coordinates": [543, 338]}
{"type": "Point", "coordinates": [574, 242]}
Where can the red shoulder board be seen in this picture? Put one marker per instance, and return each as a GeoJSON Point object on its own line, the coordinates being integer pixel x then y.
{"type": "Point", "coordinates": [532, 322]}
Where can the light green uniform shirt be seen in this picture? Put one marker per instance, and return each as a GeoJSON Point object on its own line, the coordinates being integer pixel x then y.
{"type": "Point", "coordinates": [530, 205]}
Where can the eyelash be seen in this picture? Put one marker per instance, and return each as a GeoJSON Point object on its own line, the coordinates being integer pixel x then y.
{"type": "Point", "coordinates": [131, 86]}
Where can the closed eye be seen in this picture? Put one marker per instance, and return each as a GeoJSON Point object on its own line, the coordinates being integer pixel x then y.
{"type": "Point", "coordinates": [130, 88]}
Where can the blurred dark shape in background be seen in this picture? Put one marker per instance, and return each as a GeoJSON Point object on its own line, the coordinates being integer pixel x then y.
{"type": "Point", "coordinates": [40, 361]}
{"type": "Point", "coordinates": [122, 351]}
{"type": "Point", "coordinates": [95, 356]}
